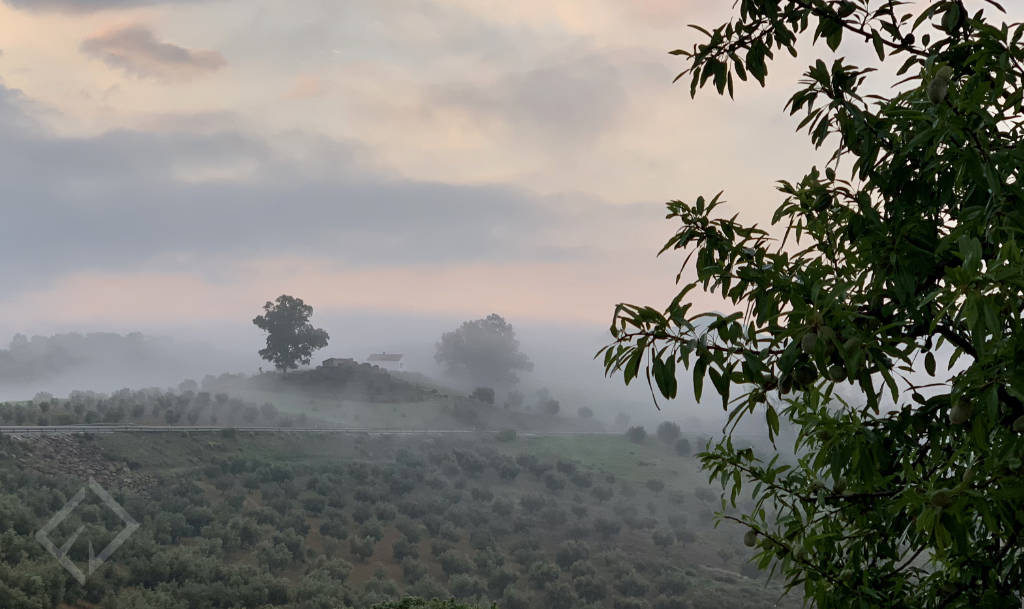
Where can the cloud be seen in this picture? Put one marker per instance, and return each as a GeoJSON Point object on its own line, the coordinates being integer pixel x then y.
{"type": "Point", "coordinates": [84, 6]}
{"type": "Point", "coordinates": [202, 200]}
{"type": "Point", "coordinates": [136, 50]}
{"type": "Point", "coordinates": [307, 87]}
{"type": "Point", "coordinates": [574, 100]}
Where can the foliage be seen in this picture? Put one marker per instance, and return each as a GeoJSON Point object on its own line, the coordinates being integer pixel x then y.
{"type": "Point", "coordinates": [228, 524]}
{"type": "Point", "coordinates": [636, 434]}
{"type": "Point", "coordinates": [483, 351]}
{"type": "Point", "coordinates": [682, 447]}
{"type": "Point", "coordinates": [483, 394]}
{"type": "Point", "coordinates": [291, 339]}
{"type": "Point", "coordinates": [419, 603]}
{"type": "Point", "coordinates": [885, 325]}
{"type": "Point", "coordinates": [668, 432]}
{"type": "Point", "coordinates": [506, 435]}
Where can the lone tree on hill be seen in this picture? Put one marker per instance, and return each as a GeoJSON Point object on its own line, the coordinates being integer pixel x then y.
{"type": "Point", "coordinates": [291, 339]}
{"type": "Point", "coordinates": [483, 351]}
{"type": "Point", "coordinates": [899, 277]}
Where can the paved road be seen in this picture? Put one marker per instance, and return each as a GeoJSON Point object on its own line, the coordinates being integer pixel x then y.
{"type": "Point", "coordinates": [108, 429]}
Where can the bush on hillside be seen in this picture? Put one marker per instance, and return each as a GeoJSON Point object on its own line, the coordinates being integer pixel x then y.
{"type": "Point", "coordinates": [636, 434]}
{"type": "Point", "coordinates": [668, 432]}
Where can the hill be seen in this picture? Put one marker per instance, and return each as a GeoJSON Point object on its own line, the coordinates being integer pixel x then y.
{"type": "Point", "coordinates": [289, 520]}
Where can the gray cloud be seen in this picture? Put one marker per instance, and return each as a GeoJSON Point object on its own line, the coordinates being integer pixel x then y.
{"type": "Point", "coordinates": [575, 100]}
{"type": "Point", "coordinates": [136, 50]}
{"type": "Point", "coordinates": [127, 201]}
{"type": "Point", "coordinates": [84, 5]}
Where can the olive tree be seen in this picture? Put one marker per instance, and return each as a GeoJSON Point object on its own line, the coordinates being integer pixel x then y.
{"type": "Point", "coordinates": [880, 317]}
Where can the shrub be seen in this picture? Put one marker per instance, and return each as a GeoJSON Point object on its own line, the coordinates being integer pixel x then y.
{"type": "Point", "coordinates": [402, 548]}
{"type": "Point", "coordinates": [663, 539]}
{"type": "Point", "coordinates": [553, 516]}
{"type": "Point", "coordinates": [560, 596]}
{"type": "Point", "coordinates": [481, 495]}
{"type": "Point", "coordinates": [671, 602]}
{"type": "Point", "coordinates": [488, 560]}
{"type": "Point", "coordinates": [514, 599]}
{"type": "Point", "coordinates": [483, 394]}
{"type": "Point", "coordinates": [412, 570]}
{"type": "Point", "coordinates": [631, 584]}
{"type": "Point", "coordinates": [668, 432]}
{"type": "Point", "coordinates": [361, 513]}
{"type": "Point", "coordinates": [502, 507]}
{"type": "Point", "coordinates": [585, 413]}
{"type": "Point", "coordinates": [384, 512]}
{"type": "Point", "coordinates": [480, 539]}
{"type": "Point", "coordinates": [453, 563]}
{"type": "Point", "coordinates": [636, 434]}
{"type": "Point", "coordinates": [533, 502]}
{"type": "Point", "coordinates": [590, 588]}
{"type": "Point", "coordinates": [508, 471]}
{"type": "Point", "coordinates": [372, 529]}
{"type": "Point", "coordinates": [412, 531]}
{"type": "Point", "coordinates": [333, 528]}
{"type": "Point", "coordinates": [582, 568]}
{"type": "Point", "coordinates": [582, 479]}
{"type": "Point", "coordinates": [602, 493]}
{"type": "Point", "coordinates": [686, 536]}
{"type": "Point", "coordinates": [314, 504]}
{"type": "Point", "coordinates": [606, 528]}
{"type": "Point", "coordinates": [570, 553]}
{"type": "Point", "coordinates": [426, 587]}
{"type": "Point", "coordinates": [449, 533]}
{"type": "Point", "coordinates": [677, 521]}
{"type": "Point", "coordinates": [550, 407]}
{"type": "Point", "coordinates": [554, 482]}
{"type": "Point", "coordinates": [542, 573]}
{"type": "Point", "coordinates": [672, 584]}
{"type": "Point", "coordinates": [274, 556]}
{"type": "Point", "coordinates": [362, 548]}
{"type": "Point", "coordinates": [439, 547]}
{"type": "Point", "coordinates": [683, 447]}
{"type": "Point", "coordinates": [467, 586]}
{"type": "Point", "coordinates": [506, 435]}
{"type": "Point", "coordinates": [499, 580]}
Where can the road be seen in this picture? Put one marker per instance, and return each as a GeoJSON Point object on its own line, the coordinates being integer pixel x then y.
{"type": "Point", "coordinates": [377, 431]}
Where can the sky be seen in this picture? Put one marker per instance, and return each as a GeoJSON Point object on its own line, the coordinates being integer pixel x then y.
{"type": "Point", "coordinates": [169, 165]}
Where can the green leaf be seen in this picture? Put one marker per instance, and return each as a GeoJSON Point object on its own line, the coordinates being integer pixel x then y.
{"type": "Point", "coordinates": [876, 40]}
{"type": "Point", "coordinates": [772, 418]}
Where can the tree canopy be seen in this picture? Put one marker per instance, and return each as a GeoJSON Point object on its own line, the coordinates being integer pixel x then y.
{"type": "Point", "coordinates": [893, 277]}
{"type": "Point", "coordinates": [291, 339]}
{"type": "Point", "coordinates": [483, 351]}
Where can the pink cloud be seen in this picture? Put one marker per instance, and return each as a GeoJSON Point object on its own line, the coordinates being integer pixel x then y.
{"type": "Point", "coordinates": [568, 292]}
{"type": "Point", "coordinates": [307, 87]}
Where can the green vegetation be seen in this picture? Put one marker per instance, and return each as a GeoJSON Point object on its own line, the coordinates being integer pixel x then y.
{"type": "Point", "coordinates": [885, 325]}
{"type": "Point", "coordinates": [291, 339]}
{"type": "Point", "coordinates": [483, 351]}
{"type": "Point", "coordinates": [303, 521]}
